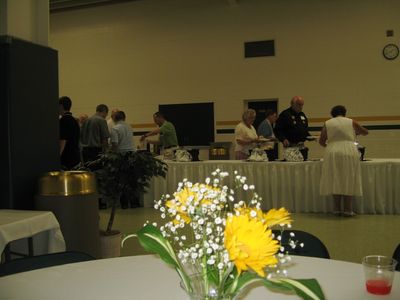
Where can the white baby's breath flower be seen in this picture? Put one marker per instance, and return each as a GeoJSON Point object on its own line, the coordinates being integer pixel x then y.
{"type": "Point", "coordinates": [210, 261]}
{"type": "Point", "coordinates": [253, 213]}
{"type": "Point", "coordinates": [245, 187]}
{"type": "Point", "coordinates": [220, 266]}
{"type": "Point", "coordinates": [252, 187]}
{"type": "Point", "coordinates": [218, 220]}
{"type": "Point", "coordinates": [292, 234]}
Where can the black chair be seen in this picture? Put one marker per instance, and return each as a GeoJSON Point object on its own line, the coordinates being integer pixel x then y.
{"type": "Point", "coordinates": [313, 246]}
{"type": "Point", "coordinates": [42, 261]}
{"type": "Point", "coordinates": [396, 256]}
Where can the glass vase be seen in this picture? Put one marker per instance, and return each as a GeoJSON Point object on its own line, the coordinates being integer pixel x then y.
{"type": "Point", "coordinates": [202, 290]}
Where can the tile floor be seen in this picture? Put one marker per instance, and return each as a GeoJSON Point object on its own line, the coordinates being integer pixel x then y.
{"type": "Point", "coordinates": [347, 239]}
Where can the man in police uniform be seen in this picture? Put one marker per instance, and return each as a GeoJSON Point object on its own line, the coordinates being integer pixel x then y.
{"type": "Point", "coordinates": [292, 126]}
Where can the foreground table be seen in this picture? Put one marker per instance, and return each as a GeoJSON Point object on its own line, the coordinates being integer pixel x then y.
{"type": "Point", "coordinates": [147, 277]}
{"type": "Point", "coordinates": [42, 225]}
{"type": "Point", "coordinates": [294, 185]}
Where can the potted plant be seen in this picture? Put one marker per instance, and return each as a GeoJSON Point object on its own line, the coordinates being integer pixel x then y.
{"type": "Point", "coordinates": [118, 173]}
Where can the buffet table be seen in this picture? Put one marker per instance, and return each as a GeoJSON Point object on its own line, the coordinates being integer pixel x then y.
{"type": "Point", "coordinates": [294, 185]}
{"type": "Point", "coordinates": [42, 226]}
{"type": "Point", "coordinates": [147, 277]}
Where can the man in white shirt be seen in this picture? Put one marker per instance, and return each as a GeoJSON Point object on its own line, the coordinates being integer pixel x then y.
{"type": "Point", "coordinates": [121, 134]}
{"type": "Point", "coordinates": [122, 142]}
{"type": "Point", "coordinates": [111, 122]}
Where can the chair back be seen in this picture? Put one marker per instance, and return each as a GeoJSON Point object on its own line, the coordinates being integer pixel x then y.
{"type": "Point", "coordinates": [313, 246]}
{"type": "Point", "coordinates": [42, 261]}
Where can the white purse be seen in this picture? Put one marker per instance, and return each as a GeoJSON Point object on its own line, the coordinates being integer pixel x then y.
{"type": "Point", "coordinates": [182, 155]}
{"type": "Point", "coordinates": [292, 154]}
{"type": "Point", "coordinates": [258, 154]}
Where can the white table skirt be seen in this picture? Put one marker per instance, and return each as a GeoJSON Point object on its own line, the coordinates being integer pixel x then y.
{"type": "Point", "coordinates": [42, 225]}
{"type": "Point", "coordinates": [147, 277]}
{"type": "Point", "coordinates": [294, 185]}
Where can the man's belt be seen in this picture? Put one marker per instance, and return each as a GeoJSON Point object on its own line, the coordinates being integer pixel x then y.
{"type": "Point", "coordinates": [168, 147]}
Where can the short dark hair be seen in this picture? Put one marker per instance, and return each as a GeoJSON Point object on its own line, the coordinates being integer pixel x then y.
{"type": "Point", "coordinates": [65, 102]}
{"type": "Point", "coordinates": [102, 108]}
{"type": "Point", "coordinates": [159, 114]}
{"type": "Point", "coordinates": [119, 115]}
{"type": "Point", "coordinates": [269, 112]}
{"type": "Point", "coordinates": [338, 110]}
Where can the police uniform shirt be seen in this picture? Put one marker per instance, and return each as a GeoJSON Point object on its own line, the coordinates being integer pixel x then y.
{"type": "Point", "coordinates": [292, 126]}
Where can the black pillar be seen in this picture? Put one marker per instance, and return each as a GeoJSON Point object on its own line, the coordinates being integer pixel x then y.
{"type": "Point", "coordinates": [29, 120]}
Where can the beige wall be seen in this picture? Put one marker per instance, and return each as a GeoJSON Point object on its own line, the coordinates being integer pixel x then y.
{"type": "Point", "coordinates": [25, 19]}
{"type": "Point", "coordinates": [139, 54]}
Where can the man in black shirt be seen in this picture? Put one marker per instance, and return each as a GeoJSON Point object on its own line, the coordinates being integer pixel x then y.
{"type": "Point", "coordinates": [69, 135]}
{"type": "Point", "coordinates": [292, 126]}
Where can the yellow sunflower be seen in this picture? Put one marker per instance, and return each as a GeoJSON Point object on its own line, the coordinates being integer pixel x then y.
{"type": "Point", "coordinates": [277, 216]}
{"type": "Point", "coordinates": [249, 244]}
{"type": "Point", "coordinates": [247, 211]}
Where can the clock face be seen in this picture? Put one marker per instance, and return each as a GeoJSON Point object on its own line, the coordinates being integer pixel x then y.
{"type": "Point", "coordinates": [390, 51]}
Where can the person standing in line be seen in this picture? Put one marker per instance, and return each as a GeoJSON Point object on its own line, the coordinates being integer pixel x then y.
{"type": "Point", "coordinates": [341, 169]}
{"type": "Point", "coordinates": [292, 126]}
{"type": "Point", "coordinates": [122, 142]}
{"type": "Point", "coordinates": [111, 121]}
{"type": "Point", "coordinates": [95, 134]}
{"type": "Point", "coordinates": [246, 137]}
{"type": "Point", "coordinates": [168, 138]}
{"type": "Point", "coordinates": [69, 135]}
{"type": "Point", "coordinates": [121, 134]}
{"type": "Point", "coordinates": [266, 130]}
{"type": "Point", "coordinates": [82, 119]}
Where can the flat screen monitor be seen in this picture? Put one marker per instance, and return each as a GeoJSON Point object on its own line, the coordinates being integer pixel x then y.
{"type": "Point", "coordinates": [194, 122]}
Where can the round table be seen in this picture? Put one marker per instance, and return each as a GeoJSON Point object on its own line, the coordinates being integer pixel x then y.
{"type": "Point", "coordinates": [147, 277]}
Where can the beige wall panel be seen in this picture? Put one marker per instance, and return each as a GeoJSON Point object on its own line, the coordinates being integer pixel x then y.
{"type": "Point", "coordinates": [140, 54]}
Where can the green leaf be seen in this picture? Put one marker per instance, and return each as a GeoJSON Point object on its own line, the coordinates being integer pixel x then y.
{"type": "Point", "coordinates": [308, 289]}
{"type": "Point", "coordinates": [153, 241]}
{"type": "Point", "coordinates": [247, 279]}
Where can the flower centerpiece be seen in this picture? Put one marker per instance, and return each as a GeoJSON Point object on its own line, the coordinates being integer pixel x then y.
{"type": "Point", "coordinates": [220, 245]}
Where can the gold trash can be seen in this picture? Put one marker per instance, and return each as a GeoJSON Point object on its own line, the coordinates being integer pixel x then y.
{"type": "Point", "coordinates": [72, 197]}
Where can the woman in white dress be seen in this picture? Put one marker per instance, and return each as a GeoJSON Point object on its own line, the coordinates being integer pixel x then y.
{"type": "Point", "coordinates": [341, 169]}
{"type": "Point", "coordinates": [245, 135]}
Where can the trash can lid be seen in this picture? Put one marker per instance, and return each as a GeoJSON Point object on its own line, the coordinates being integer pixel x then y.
{"type": "Point", "coordinates": [67, 183]}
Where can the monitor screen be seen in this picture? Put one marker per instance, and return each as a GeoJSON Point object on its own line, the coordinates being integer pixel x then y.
{"type": "Point", "coordinates": [194, 122]}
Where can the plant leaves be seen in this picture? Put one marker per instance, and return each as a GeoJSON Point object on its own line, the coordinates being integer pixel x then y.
{"type": "Point", "coordinates": [152, 240]}
{"type": "Point", "coordinates": [308, 289]}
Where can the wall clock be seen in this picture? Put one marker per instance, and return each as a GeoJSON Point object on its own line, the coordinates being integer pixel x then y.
{"type": "Point", "coordinates": [390, 51]}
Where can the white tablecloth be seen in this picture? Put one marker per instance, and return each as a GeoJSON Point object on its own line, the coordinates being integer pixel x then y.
{"type": "Point", "coordinates": [294, 185]}
{"type": "Point", "coordinates": [42, 225]}
{"type": "Point", "coordinates": [147, 277]}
